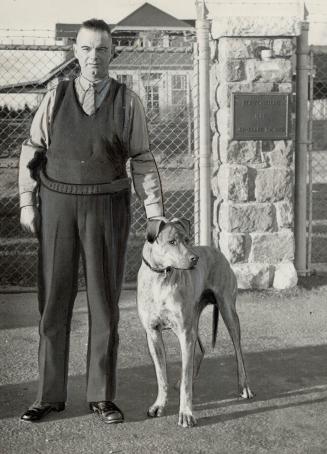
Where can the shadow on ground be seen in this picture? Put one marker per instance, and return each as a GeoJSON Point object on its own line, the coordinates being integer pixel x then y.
{"type": "Point", "coordinates": [279, 374]}
{"type": "Point", "coordinates": [313, 281]}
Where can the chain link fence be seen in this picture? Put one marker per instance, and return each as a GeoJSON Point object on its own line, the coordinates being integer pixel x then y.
{"type": "Point", "coordinates": [164, 79]}
{"type": "Point", "coordinates": [317, 206]}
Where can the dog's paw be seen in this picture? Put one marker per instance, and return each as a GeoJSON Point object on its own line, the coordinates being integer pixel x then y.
{"type": "Point", "coordinates": [186, 419]}
{"type": "Point", "coordinates": [155, 411]}
{"type": "Point", "coordinates": [247, 393]}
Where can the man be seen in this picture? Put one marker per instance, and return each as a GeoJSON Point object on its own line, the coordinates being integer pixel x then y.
{"type": "Point", "coordinates": [83, 133]}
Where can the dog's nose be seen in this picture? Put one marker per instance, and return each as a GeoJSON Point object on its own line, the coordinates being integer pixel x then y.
{"type": "Point", "coordinates": [194, 259]}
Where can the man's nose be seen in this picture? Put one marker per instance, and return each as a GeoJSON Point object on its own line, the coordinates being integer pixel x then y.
{"type": "Point", "coordinates": [93, 53]}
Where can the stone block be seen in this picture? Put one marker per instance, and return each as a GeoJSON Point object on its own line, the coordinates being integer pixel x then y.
{"type": "Point", "coordinates": [276, 70]}
{"type": "Point", "coordinates": [225, 90]}
{"type": "Point", "coordinates": [283, 47]}
{"type": "Point", "coordinates": [216, 213]}
{"type": "Point", "coordinates": [273, 184]}
{"type": "Point", "coordinates": [224, 26]}
{"type": "Point", "coordinates": [231, 70]}
{"type": "Point", "coordinates": [240, 152]}
{"type": "Point", "coordinates": [224, 122]}
{"type": "Point", "coordinates": [215, 147]}
{"type": "Point", "coordinates": [233, 182]}
{"type": "Point", "coordinates": [284, 214]}
{"type": "Point", "coordinates": [285, 276]}
{"type": "Point", "coordinates": [278, 153]}
{"type": "Point", "coordinates": [263, 87]}
{"type": "Point", "coordinates": [253, 275]}
{"type": "Point", "coordinates": [285, 87]}
{"type": "Point", "coordinates": [247, 217]}
{"type": "Point", "coordinates": [235, 48]}
{"type": "Point", "coordinates": [273, 247]}
{"type": "Point", "coordinates": [233, 246]}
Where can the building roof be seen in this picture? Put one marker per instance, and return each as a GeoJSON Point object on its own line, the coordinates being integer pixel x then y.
{"type": "Point", "coordinates": [148, 16]}
{"type": "Point", "coordinates": [137, 59]}
{"type": "Point", "coordinates": [152, 60]}
{"type": "Point", "coordinates": [40, 85]}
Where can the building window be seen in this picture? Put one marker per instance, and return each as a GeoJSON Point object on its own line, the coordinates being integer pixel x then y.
{"type": "Point", "coordinates": [126, 79]}
{"type": "Point", "coordinates": [152, 100]}
{"type": "Point", "coordinates": [178, 90]}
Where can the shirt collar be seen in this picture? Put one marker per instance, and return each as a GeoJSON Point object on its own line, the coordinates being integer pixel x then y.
{"type": "Point", "coordinates": [99, 86]}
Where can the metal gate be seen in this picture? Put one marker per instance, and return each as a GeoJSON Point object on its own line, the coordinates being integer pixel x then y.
{"type": "Point", "coordinates": [317, 161]}
{"type": "Point", "coordinates": [165, 80]}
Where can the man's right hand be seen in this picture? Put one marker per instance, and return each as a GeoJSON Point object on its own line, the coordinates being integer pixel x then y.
{"type": "Point", "coordinates": [30, 219]}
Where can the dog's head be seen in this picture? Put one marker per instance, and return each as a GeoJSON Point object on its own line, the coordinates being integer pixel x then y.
{"type": "Point", "coordinates": [170, 243]}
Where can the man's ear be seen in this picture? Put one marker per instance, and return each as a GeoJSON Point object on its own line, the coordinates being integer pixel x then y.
{"type": "Point", "coordinates": [153, 229]}
{"type": "Point", "coordinates": [112, 51]}
{"type": "Point", "coordinates": [185, 223]}
{"type": "Point", "coordinates": [75, 49]}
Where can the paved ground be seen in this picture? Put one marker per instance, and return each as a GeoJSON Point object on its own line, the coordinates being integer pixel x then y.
{"type": "Point", "coordinates": [284, 340]}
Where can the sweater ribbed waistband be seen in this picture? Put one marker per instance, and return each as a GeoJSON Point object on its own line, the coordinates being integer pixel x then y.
{"type": "Point", "coordinates": [85, 189]}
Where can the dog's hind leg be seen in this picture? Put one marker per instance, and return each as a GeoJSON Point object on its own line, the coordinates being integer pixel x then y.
{"type": "Point", "coordinates": [157, 351]}
{"type": "Point", "coordinates": [198, 357]}
{"type": "Point", "coordinates": [230, 317]}
{"type": "Point", "coordinates": [187, 341]}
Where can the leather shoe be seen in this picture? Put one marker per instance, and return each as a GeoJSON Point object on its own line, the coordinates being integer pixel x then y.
{"type": "Point", "coordinates": [38, 411]}
{"type": "Point", "coordinates": [107, 411]}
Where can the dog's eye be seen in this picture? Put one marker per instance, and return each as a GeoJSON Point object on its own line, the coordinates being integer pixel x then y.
{"type": "Point", "coordinates": [186, 240]}
{"type": "Point", "coordinates": [173, 242]}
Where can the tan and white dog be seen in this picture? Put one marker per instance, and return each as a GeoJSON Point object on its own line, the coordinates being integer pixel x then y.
{"type": "Point", "coordinates": [175, 282]}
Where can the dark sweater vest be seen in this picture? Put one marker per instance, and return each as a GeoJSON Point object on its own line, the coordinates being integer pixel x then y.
{"type": "Point", "coordinates": [87, 149]}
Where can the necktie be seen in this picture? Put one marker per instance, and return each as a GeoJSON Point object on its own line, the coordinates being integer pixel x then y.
{"type": "Point", "coordinates": [89, 101]}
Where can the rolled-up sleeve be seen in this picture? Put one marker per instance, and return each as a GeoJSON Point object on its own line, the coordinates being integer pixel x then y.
{"type": "Point", "coordinates": [38, 141]}
{"type": "Point", "coordinates": [144, 170]}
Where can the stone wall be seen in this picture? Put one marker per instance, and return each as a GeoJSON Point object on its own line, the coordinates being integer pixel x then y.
{"type": "Point", "coordinates": [253, 180]}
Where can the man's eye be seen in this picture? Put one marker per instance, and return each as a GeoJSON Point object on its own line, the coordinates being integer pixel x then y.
{"type": "Point", "coordinates": [173, 242]}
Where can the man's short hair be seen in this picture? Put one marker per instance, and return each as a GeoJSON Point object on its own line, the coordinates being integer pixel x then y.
{"type": "Point", "coordinates": [96, 24]}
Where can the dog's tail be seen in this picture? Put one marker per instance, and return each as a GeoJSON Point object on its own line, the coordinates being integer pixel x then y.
{"type": "Point", "coordinates": [215, 319]}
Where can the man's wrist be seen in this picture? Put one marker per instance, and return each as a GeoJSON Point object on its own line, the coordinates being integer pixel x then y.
{"type": "Point", "coordinates": [154, 210]}
{"type": "Point", "coordinates": [26, 199]}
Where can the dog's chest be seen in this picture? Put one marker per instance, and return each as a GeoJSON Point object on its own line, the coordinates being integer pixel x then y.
{"type": "Point", "coordinates": [170, 307]}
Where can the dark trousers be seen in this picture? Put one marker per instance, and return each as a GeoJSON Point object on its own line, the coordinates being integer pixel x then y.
{"type": "Point", "coordinates": [97, 227]}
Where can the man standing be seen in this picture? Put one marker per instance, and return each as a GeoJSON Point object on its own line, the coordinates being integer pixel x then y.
{"type": "Point", "coordinates": [84, 132]}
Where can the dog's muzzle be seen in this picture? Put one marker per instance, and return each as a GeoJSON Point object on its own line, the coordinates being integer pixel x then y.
{"type": "Point", "coordinates": [194, 260]}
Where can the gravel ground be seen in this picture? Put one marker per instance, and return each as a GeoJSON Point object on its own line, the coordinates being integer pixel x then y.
{"type": "Point", "coordinates": [284, 342]}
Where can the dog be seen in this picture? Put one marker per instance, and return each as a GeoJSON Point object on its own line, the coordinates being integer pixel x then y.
{"type": "Point", "coordinates": [175, 283]}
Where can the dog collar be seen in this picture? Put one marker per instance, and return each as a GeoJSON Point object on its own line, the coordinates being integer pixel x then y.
{"type": "Point", "coordinates": [166, 270]}
{"type": "Point", "coordinates": [157, 270]}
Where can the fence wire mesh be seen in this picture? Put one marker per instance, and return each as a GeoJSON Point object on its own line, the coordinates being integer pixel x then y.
{"type": "Point", "coordinates": [164, 79]}
{"type": "Point", "coordinates": [317, 206]}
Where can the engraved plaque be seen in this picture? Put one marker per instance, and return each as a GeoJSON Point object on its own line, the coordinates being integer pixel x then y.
{"type": "Point", "coordinates": [260, 116]}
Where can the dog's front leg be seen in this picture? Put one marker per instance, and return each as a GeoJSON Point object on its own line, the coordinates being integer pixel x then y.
{"type": "Point", "coordinates": [157, 351]}
{"type": "Point", "coordinates": [187, 341]}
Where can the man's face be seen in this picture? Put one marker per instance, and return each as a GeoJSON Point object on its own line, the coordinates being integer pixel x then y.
{"type": "Point", "coordinates": [93, 52]}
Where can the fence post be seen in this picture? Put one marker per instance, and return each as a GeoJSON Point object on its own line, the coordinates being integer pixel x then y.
{"type": "Point", "coordinates": [202, 33]}
{"type": "Point", "coordinates": [195, 90]}
{"type": "Point", "coordinates": [300, 208]}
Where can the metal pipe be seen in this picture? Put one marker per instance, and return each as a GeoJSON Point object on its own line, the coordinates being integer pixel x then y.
{"type": "Point", "coordinates": [309, 252]}
{"type": "Point", "coordinates": [195, 91]}
{"type": "Point", "coordinates": [300, 207]}
{"type": "Point", "coordinates": [202, 33]}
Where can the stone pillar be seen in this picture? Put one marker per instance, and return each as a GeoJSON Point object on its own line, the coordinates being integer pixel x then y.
{"type": "Point", "coordinates": [253, 181]}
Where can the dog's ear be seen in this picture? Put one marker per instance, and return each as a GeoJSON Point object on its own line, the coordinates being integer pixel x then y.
{"type": "Point", "coordinates": [185, 223]}
{"type": "Point", "coordinates": [154, 227]}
